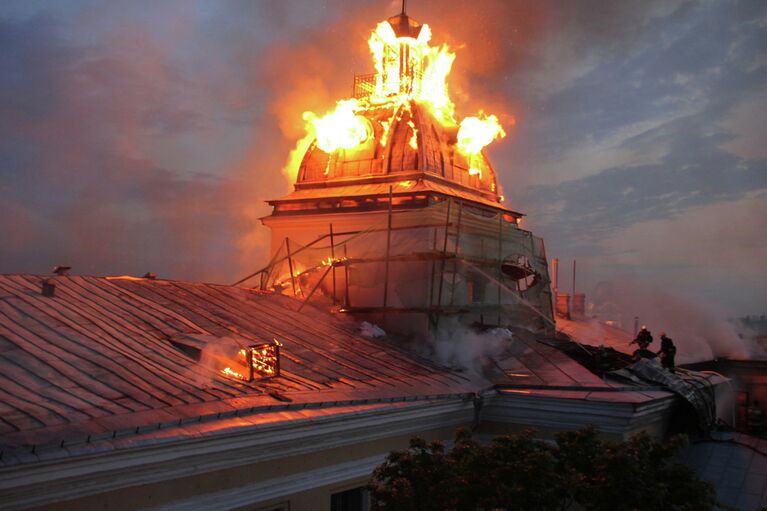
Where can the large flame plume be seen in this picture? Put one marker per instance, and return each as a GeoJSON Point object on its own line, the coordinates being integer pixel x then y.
{"type": "Point", "coordinates": [477, 132]}
{"type": "Point", "coordinates": [406, 69]}
{"type": "Point", "coordinates": [341, 129]}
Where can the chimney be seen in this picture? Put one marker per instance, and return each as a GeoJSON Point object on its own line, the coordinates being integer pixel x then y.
{"type": "Point", "coordinates": [579, 305]}
{"type": "Point", "coordinates": [563, 305]}
{"type": "Point", "coordinates": [578, 309]}
{"type": "Point", "coordinates": [49, 288]}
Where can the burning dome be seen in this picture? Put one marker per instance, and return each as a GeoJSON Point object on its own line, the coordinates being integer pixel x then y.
{"type": "Point", "coordinates": [397, 212]}
{"type": "Point", "coordinates": [398, 129]}
{"type": "Point", "coordinates": [402, 141]}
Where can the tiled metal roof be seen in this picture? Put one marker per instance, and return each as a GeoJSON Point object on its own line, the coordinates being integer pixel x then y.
{"type": "Point", "coordinates": [97, 357]}
{"type": "Point", "coordinates": [95, 363]}
{"type": "Point", "coordinates": [597, 333]}
{"type": "Point", "coordinates": [736, 465]}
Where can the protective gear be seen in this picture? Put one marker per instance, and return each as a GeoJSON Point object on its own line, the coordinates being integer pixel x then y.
{"type": "Point", "coordinates": [643, 339]}
{"type": "Point", "coordinates": [667, 352]}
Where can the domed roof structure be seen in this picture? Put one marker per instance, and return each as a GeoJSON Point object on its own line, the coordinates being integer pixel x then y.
{"type": "Point", "coordinates": [405, 147]}
{"type": "Point", "coordinates": [398, 131]}
{"type": "Point", "coordinates": [401, 140]}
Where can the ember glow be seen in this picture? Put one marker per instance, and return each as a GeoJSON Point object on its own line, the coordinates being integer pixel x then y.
{"type": "Point", "coordinates": [407, 69]}
{"type": "Point", "coordinates": [232, 374]}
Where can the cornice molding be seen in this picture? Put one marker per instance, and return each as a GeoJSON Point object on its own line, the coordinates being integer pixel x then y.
{"type": "Point", "coordinates": [76, 477]}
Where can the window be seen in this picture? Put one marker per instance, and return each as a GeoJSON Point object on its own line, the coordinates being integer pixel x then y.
{"type": "Point", "coordinates": [350, 500]}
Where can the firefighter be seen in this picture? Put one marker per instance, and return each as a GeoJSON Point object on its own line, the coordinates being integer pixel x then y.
{"type": "Point", "coordinates": [643, 339]}
{"type": "Point", "coordinates": [667, 352]}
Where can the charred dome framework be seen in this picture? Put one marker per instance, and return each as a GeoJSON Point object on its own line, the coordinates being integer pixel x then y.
{"type": "Point", "coordinates": [396, 208]}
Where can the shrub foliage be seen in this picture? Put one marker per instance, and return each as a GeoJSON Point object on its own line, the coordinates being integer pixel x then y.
{"type": "Point", "coordinates": [519, 472]}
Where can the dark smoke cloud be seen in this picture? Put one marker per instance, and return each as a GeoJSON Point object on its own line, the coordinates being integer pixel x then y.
{"type": "Point", "coordinates": [144, 136]}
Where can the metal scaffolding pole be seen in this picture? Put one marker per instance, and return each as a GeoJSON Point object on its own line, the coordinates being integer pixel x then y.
{"type": "Point", "coordinates": [333, 261]}
{"type": "Point", "coordinates": [315, 288]}
{"type": "Point", "coordinates": [290, 265]}
{"type": "Point", "coordinates": [455, 262]}
{"type": "Point", "coordinates": [346, 279]}
{"type": "Point", "coordinates": [500, 264]}
{"type": "Point", "coordinates": [433, 269]}
{"type": "Point", "coordinates": [444, 257]}
{"type": "Point", "coordinates": [388, 249]}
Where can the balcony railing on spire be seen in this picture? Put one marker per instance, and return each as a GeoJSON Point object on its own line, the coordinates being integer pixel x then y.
{"type": "Point", "coordinates": [365, 85]}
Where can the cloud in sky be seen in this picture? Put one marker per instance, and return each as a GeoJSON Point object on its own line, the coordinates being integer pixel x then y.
{"type": "Point", "coordinates": [145, 136]}
{"type": "Point", "coordinates": [668, 154]}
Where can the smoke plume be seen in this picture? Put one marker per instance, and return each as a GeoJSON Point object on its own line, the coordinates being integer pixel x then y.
{"type": "Point", "coordinates": [697, 330]}
{"type": "Point", "coordinates": [456, 346]}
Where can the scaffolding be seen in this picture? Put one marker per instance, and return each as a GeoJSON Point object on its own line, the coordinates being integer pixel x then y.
{"type": "Point", "coordinates": [449, 259]}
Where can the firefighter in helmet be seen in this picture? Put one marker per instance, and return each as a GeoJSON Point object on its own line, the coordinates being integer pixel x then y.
{"type": "Point", "coordinates": [643, 338]}
{"type": "Point", "coordinates": [667, 352]}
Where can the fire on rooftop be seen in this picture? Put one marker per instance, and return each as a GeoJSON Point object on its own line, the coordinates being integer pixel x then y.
{"type": "Point", "coordinates": [144, 393]}
{"type": "Point", "coordinates": [396, 209]}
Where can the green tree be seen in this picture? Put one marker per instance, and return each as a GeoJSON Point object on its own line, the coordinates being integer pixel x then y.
{"type": "Point", "coordinates": [518, 472]}
{"type": "Point", "coordinates": [638, 474]}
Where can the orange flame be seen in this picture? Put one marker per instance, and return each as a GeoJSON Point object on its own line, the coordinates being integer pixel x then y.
{"type": "Point", "coordinates": [340, 129]}
{"type": "Point", "coordinates": [425, 70]}
{"type": "Point", "coordinates": [263, 360]}
{"type": "Point", "coordinates": [406, 69]}
{"type": "Point", "coordinates": [477, 132]}
{"type": "Point", "coordinates": [234, 374]}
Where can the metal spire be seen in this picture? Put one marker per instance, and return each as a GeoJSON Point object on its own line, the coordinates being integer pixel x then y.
{"type": "Point", "coordinates": [404, 4]}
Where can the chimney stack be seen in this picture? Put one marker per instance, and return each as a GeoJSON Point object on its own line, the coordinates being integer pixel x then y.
{"type": "Point", "coordinates": [578, 309]}
{"type": "Point", "coordinates": [49, 288]}
{"type": "Point", "coordinates": [561, 300]}
{"type": "Point", "coordinates": [563, 305]}
{"type": "Point", "coordinates": [579, 305]}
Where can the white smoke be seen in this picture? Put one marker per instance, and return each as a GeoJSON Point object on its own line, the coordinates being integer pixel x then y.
{"type": "Point", "coordinates": [215, 353]}
{"type": "Point", "coordinates": [699, 331]}
{"type": "Point", "coordinates": [371, 331]}
{"type": "Point", "coordinates": [456, 346]}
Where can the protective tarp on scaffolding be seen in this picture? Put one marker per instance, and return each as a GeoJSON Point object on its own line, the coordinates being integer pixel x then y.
{"type": "Point", "coordinates": [449, 259]}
